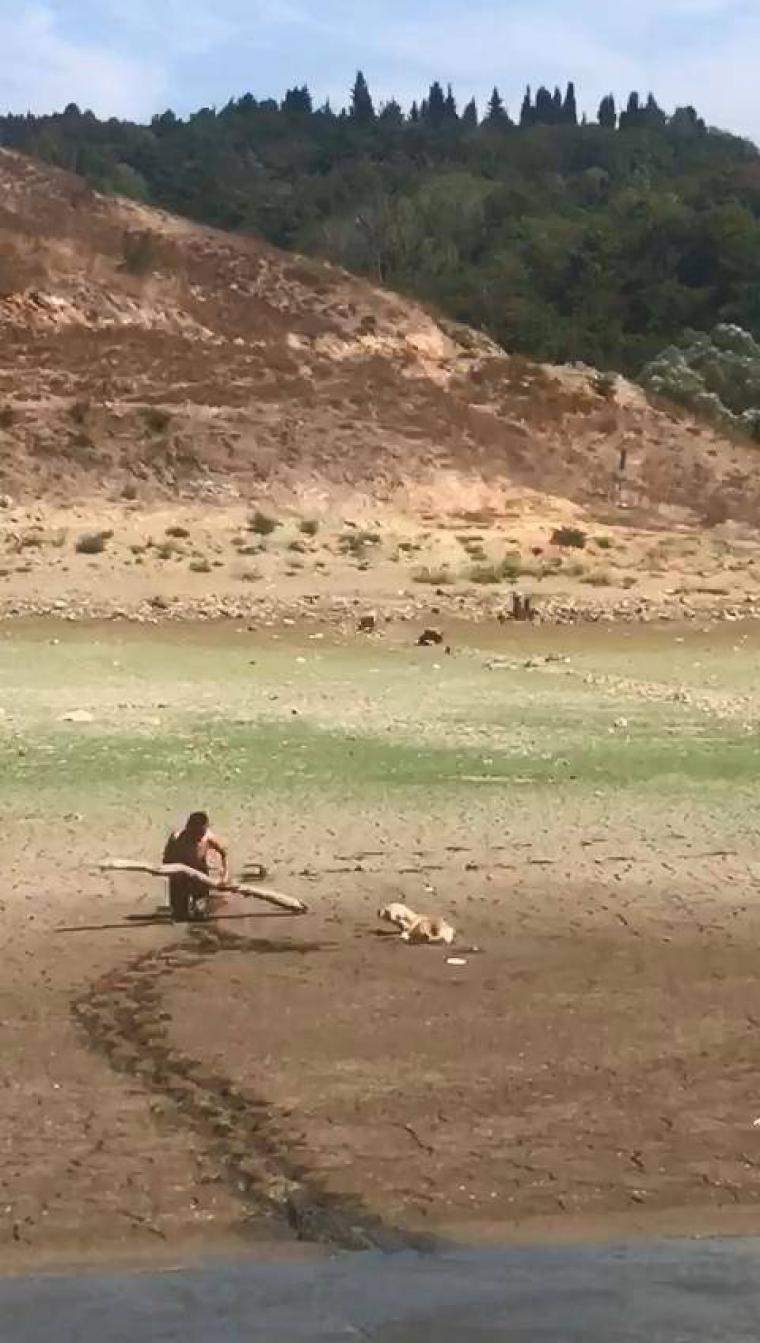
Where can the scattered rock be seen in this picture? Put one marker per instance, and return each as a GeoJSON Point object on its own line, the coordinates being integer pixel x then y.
{"type": "Point", "coordinates": [368, 623]}
{"type": "Point", "coordinates": [429, 638]}
{"type": "Point", "coordinates": [77, 716]}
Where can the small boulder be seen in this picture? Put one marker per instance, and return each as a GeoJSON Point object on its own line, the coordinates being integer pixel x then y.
{"type": "Point", "coordinates": [368, 623]}
{"type": "Point", "coordinates": [430, 638]}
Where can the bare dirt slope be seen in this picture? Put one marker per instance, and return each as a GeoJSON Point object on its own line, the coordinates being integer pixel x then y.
{"type": "Point", "coordinates": [136, 345]}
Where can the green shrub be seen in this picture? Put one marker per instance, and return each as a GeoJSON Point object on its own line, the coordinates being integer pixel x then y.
{"type": "Point", "coordinates": [507, 570]}
{"type": "Point", "coordinates": [437, 577]}
{"type": "Point", "coordinates": [178, 533]}
{"type": "Point", "coordinates": [309, 526]}
{"type": "Point", "coordinates": [93, 543]}
{"type": "Point", "coordinates": [598, 578]}
{"type": "Point", "coordinates": [200, 566]}
{"type": "Point", "coordinates": [33, 540]}
{"type": "Point", "coordinates": [138, 253]}
{"type": "Point", "coordinates": [169, 550]}
{"type": "Point", "coordinates": [605, 384]}
{"type": "Point", "coordinates": [356, 543]}
{"type": "Point", "coordinates": [156, 420]}
{"type": "Point", "coordinates": [570, 537]}
{"type": "Point", "coordinates": [262, 524]}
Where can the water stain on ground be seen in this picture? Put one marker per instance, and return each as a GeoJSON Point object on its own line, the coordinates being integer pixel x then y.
{"type": "Point", "coordinates": [123, 1017]}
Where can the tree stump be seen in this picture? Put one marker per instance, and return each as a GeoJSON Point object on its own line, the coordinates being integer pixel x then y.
{"type": "Point", "coordinates": [522, 606]}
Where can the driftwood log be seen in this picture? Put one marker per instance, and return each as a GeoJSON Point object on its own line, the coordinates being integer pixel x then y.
{"type": "Point", "coordinates": [166, 870]}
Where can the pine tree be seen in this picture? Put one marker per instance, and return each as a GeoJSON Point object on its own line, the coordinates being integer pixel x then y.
{"type": "Point", "coordinates": [470, 116]}
{"type": "Point", "coordinates": [497, 112]}
{"type": "Point", "coordinates": [570, 107]}
{"type": "Point", "coordinates": [436, 105]}
{"type": "Point", "coordinates": [607, 114]}
{"type": "Point", "coordinates": [362, 106]}
{"type": "Point", "coordinates": [450, 109]}
{"type": "Point", "coordinates": [527, 112]}
{"type": "Point", "coordinates": [414, 113]}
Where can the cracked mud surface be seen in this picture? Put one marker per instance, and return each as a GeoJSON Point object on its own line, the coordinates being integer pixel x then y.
{"type": "Point", "coordinates": [589, 1072]}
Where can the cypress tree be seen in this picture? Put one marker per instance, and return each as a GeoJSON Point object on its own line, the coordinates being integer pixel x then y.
{"type": "Point", "coordinates": [607, 115]}
{"type": "Point", "coordinates": [544, 110]}
{"type": "Point", "coordinates": [653, 114]}
{"type": "Point", "coordinates": [557, 106]}
{"type": "Point", "coordinates": [527, 113]}
{"type": "Point", "coordinates": [570, 107]}
{"type": "Point", "coordinates": [450, 106]}
{"type": "Point", "coordinates": [298, 102]}
{"type": "Point", "coordinates": [632, 116]}
{"type": "Point", "coordinates": [436, 105]}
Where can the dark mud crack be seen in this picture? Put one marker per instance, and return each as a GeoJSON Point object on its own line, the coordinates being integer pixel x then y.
{"type": "Point", "coordinates": [123, 1017]}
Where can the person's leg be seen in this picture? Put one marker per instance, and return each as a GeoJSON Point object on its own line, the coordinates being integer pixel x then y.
{"type": "Point", "coordinates": [180, 899]}
{"type": "Point", "coordinates": [199, 901]}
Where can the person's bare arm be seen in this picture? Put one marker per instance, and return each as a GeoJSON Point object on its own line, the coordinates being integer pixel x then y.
{"type": "Point", "coordinates": [218, 847]}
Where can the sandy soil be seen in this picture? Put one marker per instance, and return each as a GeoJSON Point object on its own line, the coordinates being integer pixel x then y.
{"type": "Point", "coordinates": [320, 560]}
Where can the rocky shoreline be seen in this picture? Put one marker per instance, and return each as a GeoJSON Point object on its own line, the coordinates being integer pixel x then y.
{"type": "Point", "coordinates": [347, 613]}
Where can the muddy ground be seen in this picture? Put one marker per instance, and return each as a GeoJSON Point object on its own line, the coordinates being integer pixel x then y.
{"type": "Point", "coordinates": [589, 828]}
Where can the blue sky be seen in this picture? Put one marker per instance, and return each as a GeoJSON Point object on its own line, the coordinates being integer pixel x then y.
{"type": "Point", "coordinates": [134, 57]}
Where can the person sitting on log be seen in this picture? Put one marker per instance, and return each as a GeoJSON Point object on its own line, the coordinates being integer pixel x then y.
{"type": "Point", "coordinates": [191, 846]}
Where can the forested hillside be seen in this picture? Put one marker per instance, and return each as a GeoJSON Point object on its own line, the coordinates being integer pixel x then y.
{"type": "Point", "coordinates": [565, 239]}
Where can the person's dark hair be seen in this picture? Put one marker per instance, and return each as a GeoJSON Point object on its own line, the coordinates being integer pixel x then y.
{"type": "Point", "coordinates": [199, 820]}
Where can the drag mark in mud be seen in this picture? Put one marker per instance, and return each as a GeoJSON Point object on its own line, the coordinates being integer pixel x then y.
{"type": "Point", "coordinates": [123, 1017]}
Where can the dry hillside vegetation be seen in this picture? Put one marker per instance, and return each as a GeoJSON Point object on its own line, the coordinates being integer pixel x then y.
{"type": "Point", "coordinates": [136, 346]}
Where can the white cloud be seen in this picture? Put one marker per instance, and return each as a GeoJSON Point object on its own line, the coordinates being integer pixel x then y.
{"type": "Point", "coordinates": [132, 57]}
{"type": "Point", "coordinates": [41, 69]}
{"type": "Point", "coordinates": [193, 27]}
{"type": "Point", "coordinates": [698, 51]}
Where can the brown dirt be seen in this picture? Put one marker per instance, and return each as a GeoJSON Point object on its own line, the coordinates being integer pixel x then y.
{"type": "Point", "coordinates": [229, 365]}
{"type": "Point", "coordinates": [592, 1067]}
{"type": "Point", "coordinates": [589, 1072]}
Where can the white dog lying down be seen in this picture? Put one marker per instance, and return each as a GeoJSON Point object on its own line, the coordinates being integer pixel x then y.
{"type": "Point", "coordinates": [417, 928]}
